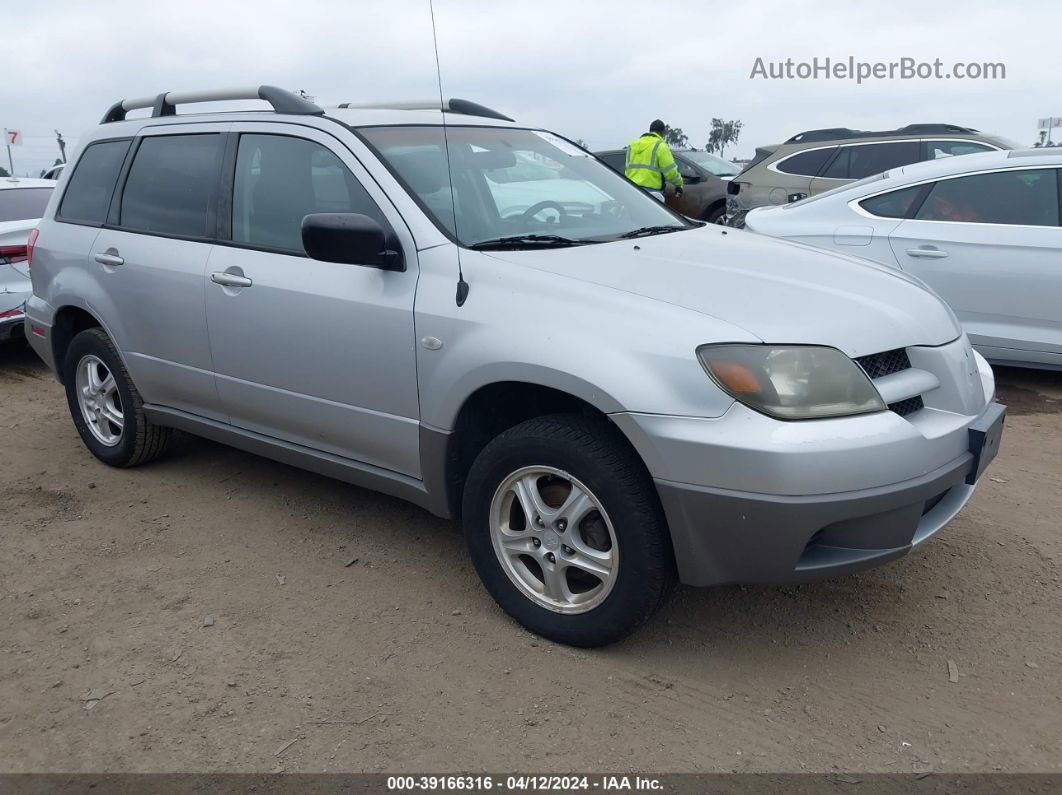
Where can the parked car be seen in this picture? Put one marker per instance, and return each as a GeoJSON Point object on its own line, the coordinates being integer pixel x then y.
{"type": "Point", "coordinates": [983, 231]}
{"type": "Point", "coordinates": [22, 203]}
{"type": "Point", "coordinates": [611, 398]}
{"type": "Point", "coordinates": [54, 172]}
{"type": "Point", "coordinates": [816, 161]}
{"type": "Point", "coordinates": [704, 178]}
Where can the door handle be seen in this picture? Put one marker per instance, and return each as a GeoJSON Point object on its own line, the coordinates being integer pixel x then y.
{"type": "Point", "coordinates": [107, 258]}
{"type": "Point", "coordinates": [926, 253]}
{"type": "Point", "coordinates": [230, 279]}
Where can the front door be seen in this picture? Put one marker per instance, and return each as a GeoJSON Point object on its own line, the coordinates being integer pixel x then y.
{"type": "Point", "coordinates": [318, 354]}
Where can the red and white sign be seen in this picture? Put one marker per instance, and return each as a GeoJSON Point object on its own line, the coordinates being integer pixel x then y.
{"type": "Point", "coordinates": [1047, 124]}
{"type": "Point", "coordinates": [12, 137]}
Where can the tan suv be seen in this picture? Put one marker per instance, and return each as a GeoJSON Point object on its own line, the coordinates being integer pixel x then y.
{"type": "Point", "coordinates": [819, 160]}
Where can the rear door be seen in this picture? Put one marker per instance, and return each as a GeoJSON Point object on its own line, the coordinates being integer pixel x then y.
{"type": "Point", "coordinates": [856, 161]}
{"type": "Point", "coordinates": [988, 244]}
{"type": "Point", "coordinates": [150, 259]}
{"type": "Point", "coordinates": [319, 354]}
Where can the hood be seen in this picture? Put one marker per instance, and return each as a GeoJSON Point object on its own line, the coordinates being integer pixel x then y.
{"type": "Point", "coordinates": [778, 291]}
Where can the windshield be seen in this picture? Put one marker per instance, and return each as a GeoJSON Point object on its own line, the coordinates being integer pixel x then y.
{"type": "Point", "coordinates": [712, 164]}
{"type": "Point", "coordinates": [511, 183]}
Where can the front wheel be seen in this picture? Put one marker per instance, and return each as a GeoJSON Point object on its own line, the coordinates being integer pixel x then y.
{"type": "Point", "coordinates": [565, 529]}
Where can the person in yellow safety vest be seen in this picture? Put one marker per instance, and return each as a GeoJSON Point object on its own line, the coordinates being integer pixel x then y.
{"type": "Point", "coordinates": [650, 163]}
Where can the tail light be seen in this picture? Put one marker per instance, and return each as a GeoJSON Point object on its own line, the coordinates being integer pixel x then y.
{"type": "Point", "coordinates": [13, 253]}
{"type": "Point", "coordinates": [30, 243]}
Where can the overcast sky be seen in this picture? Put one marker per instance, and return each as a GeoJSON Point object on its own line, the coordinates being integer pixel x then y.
{"type": "Point", "coordinates": [599, 71]}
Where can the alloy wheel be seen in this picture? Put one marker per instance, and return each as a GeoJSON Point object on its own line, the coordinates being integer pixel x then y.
{"type": "Point", "coordinates": [554, 539]}
{"type": "Point", "coordinates": [100, 403]}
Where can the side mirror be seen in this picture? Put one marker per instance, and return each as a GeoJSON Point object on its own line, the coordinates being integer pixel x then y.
{"type": "Point", "coordinates": [351, 239]}
{"type": "Point", "coordinates": [692, 179]}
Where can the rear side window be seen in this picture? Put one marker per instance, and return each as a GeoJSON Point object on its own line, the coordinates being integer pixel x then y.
{"type": "Point", "coordinates": [280, 180]}
{"type": "Point", "coordinates": [1026, 197]}
{"type": "Point", "coordinates": [806, 164]}
{"type": "Point", "coordinates": [895, 204]}
{"type": "Point", "coordinates": [88, 193]}
{"type": "Point", "coordinates": [20, 204]}
{"type": "Point", "coordinates": [857, 162]}
{"type": "Point", "coordinates": [170, 185]}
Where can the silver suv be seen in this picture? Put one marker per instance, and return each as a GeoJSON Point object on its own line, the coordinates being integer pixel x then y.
{"type": "Point", "coordinates": [610, 396]}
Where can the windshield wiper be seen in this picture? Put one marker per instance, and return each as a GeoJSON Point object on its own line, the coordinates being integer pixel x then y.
{"type": "Point", "coordinates": [645, 231]}
{"type": "Point", "coordinates": [528, 241]}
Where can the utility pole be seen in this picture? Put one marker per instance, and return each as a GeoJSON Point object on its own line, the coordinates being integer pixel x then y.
{"type": "Point", "coordinates": [62, 145]}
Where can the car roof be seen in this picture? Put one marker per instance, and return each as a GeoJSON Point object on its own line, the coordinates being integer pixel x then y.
{"type": "Point", "coordinates": [25, 182]}
{"type": "Point", "coordinates": [385, 117]}
{"type": "Point", "coordinates": [979, 161]}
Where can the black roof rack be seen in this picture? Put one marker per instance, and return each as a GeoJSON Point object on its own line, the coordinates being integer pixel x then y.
{"type": "Point", "coordinates": [165, 104]}
{"type": "Point", "coordinates": [464, 107]}
{"type": "Point", "coordinates": [839, 133]}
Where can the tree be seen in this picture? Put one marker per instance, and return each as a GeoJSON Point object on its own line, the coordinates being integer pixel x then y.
{"type": "Point", "coordinates": [674, 136]}
{"type": "Point", "coordinates": [722, 135]}
{"type": "Point", "coordinates": [581, 142]}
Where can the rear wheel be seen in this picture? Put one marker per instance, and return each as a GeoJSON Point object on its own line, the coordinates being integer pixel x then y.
{"type": "Point", "coordinates": [106, 408]}
{"type": "Point", "coordinates": [566, 531]}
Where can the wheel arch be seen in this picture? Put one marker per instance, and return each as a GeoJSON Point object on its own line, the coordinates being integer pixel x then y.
{"type": "Point", "coordinates": [713, 206]}
{"type": "Point", "coordinates": [488, 411]}
{"type": "Point", "coordinates": [70, 320]}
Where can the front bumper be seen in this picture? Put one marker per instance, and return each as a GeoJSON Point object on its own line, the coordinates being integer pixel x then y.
{"type": "Point", "coordinates": [724, 536]}
{"type": "Point", "coordinates": [827, 506]}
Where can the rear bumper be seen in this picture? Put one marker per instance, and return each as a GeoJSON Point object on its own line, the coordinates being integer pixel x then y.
{"type": "Point", "coordinates": [722, 536]}
{"type": "Point", "coordinates": [11, 325]}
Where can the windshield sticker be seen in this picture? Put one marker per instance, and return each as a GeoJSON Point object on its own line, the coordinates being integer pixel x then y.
{"type": "Point", "coordinates": [566, 147]}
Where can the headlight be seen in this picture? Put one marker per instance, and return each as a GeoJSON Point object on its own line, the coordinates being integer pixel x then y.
{"type": "Point", "coordinates": [791, 382]}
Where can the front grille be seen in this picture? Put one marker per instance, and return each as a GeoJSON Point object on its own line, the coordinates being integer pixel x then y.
{"type": "Point", "coordinates": [909, 406]}
{"type": "Point", "coordinates": [877, 365]}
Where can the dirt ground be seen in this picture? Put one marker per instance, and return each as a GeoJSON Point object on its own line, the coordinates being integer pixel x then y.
{"type": "Point", "coordinates": [202, 614]}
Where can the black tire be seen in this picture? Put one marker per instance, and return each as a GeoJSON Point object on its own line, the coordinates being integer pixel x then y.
{"type": "Point", "coordinates": [716, 216]}
{"type": "Point", "coordinates": [141, 440]}
{"type": "Point", "coordinates": [594, 452]}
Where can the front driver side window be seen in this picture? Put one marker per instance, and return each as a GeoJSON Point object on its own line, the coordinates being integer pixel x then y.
{"type": "Point", "coordinates": [280, 180]}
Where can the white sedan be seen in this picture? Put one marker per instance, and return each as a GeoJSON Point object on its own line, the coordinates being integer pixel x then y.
{"type": "Point", "coordinates": [983, 230]}
{"type": "Point", "coordinates": [22, 203]}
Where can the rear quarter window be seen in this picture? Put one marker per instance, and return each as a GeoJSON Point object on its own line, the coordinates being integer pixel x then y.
{"type": "Point", "coordinates": [894, 204]}
{"type": "Point", "coordinates": [805, 164]}
{"type": "Point", "coordinates": [88, 193]}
